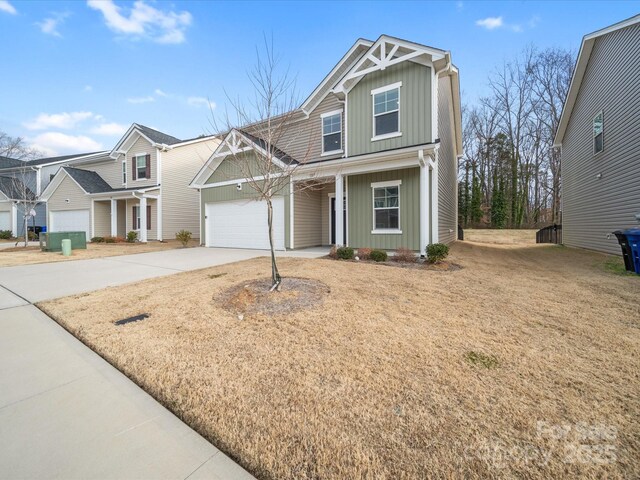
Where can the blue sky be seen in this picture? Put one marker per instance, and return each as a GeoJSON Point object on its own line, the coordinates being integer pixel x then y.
{"type": "Point", "coordinates": [76, 74]}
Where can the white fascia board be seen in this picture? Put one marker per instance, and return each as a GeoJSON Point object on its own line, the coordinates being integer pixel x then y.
{"type": "Point", "coordinates": [578, 73]}
{"type": "Point", "coordinates": [55, 183]}
{"type": "Point", "coordinates": [306, 106]}
{"type": "Point", "coordinates": [116, 150]}
{"type": "Point", "coordinates": [218, 156]}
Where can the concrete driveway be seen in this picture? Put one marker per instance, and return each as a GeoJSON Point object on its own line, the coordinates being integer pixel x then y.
{"type": "Point", "coordinates": [46, 281]}
{"type": "Point", "coordinates": [66, 413]}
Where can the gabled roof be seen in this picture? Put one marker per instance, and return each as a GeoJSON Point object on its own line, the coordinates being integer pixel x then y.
{"type": "Point", "coordinates": [6, 162]}
{"type": "Point", "coordinates": [386, 52]}
{"type": "Point", "coordinates": [154, 137]}
{"type": "Point", "coordinates": [13, 189]}
{"type": "Point", "coordinates": [276, 152]}
{"type": "Point", "coordinates": [231, 145]}
{"type": "Point", "coordinates": [90, 182]}
{"type": "Point", "coordinates": [353, 54]}
{"type": "Point", "coordinates": [586, 48]}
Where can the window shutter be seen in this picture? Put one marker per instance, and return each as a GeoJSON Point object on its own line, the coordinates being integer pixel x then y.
{"type": "Point", "coordinates": [148, 212]}
{"type": "Point", "coordinates": [148, 159]}
{"type": "Point", "coordinates": [135, 169]}
{"type": "Point", "coordinates": [133, 218]}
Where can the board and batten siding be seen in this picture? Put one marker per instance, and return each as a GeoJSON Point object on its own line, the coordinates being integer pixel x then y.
{"type": "Point", "coordinates": [227, 193]}
{"type": "Point", "coordinates": [415, 109]}
{"type": "Point", "coordinates": [594, 207]}
{"type": "Point", "coordinates": [179, 202]}
{"type": "Point", "coordinates": [360, 208]}
{"type": "Point", "coordinates": [447, 166]}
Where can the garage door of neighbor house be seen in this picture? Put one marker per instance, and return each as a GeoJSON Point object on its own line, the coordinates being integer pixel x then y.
{"type": "Point", "coordinates": [70, 221]}
{"type": "Point", "coordinates": [243, 224]}
{"type": "Point", "coordinates": [5, 220]}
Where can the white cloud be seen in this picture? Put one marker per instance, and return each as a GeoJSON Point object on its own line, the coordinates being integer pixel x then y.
{"type": "Point", "coordinates": [160, 93]}
{"type": "Point", "coordinates": [141, 99]}
{"type": "Point", "coordinates": [56, 143]}
{"type": "Point", "coordinates": [490, 23]}
{"type": "Point", "coordinates": [201, 102]}
{"type": "Point", "coordinates": [534, 21]}
{"type": "Point", "coordinates": [87, 88]}
{"type": "Point", "coordinates": [109, 129]}
{"type": "Point", "coordinates": [144, 21]}
{"type": "Point", "coordinates": [50, 25]}
{"type": "Point", "coordinates": [6, 7]}
{"type": "Point", "coordinates": [58, 120]}
{"type": "Point", "coordinates": [493, 23]}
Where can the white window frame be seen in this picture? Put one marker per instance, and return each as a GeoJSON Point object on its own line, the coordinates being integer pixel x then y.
{"type": "Point", "coordinates": [124, 172]}
{"type": "Point", "coordinates": [137, 157]}
{"type": "Point", "coordinates": [385, 231]}
{"type": "Point", "coordinates": [599, 114]}
{"type": "Point", "coordinates": [374, 92]}
{"type": "Point", "coordinates": [322, 117]}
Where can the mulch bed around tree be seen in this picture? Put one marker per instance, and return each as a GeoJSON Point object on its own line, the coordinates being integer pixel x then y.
{"type": "Point", "coordinates": [254, 298]}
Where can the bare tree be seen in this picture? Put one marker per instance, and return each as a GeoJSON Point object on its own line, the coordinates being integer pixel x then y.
{"type": "Point", "coordinates": [21, 177]}
{"type": "Point", "coordinates": [267, 124]}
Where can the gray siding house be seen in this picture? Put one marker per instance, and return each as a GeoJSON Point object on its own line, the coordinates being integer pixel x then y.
{"type": "Point", "coordinates": [382, 132]}
{"type": "Point", "coordinates": [599, 133]}
{"type": "Point", "coordinates": [36, 175]}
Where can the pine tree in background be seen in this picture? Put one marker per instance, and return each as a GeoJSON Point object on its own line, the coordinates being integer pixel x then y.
{"type": "Point", "coordinates": [476, 200]}
{"type": "Point", "coordinates": [498, 204]}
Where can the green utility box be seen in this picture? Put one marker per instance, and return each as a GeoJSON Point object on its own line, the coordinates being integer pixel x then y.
{"type": "Point", "coordinates": [52, 241]}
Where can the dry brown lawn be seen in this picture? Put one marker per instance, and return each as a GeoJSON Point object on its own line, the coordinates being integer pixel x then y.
{"type": "Point", "coordinates": [10, 257]}
{"type": "Point", "coordinates": [501, 237]}
{"type": "Point", "coordinates": [523, 364]}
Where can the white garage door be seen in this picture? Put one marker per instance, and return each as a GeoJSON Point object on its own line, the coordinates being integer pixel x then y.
{"type": "Point", "coordinates": [70, 221]}
{"type": "Point", "coordinates": [5, 220]}
{"type": "Point", "coordinates": [243, 224]}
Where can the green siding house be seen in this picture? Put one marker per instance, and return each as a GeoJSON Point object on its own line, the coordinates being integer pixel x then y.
{"type": "Point", "coordinates": [382, 132]}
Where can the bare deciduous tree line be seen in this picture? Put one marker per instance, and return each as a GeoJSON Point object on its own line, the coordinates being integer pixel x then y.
{"type": "Point", "coordinates": [510, 172]}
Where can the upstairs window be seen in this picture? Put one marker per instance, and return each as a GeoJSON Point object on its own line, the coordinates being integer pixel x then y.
{"type": "Point", "coordinates": [386, 111]}
{"type": "Point", "coordinates": [332, 132]}
{"type": "Point", "coordinates": [598, 133]}
{"type": "Point", "coordinates": [124, 172]}
{"type": "Point", "coordinates": [141, 166]}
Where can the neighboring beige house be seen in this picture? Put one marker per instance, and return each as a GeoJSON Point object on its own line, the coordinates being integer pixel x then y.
{"type": "Point", "coordinates": [599, 132]}
{"type": "Point", "coordinates": [140, 185]}
{"type": "Point", "coordinates": [382, 132]}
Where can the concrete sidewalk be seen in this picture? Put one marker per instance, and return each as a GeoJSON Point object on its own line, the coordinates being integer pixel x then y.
{"type": "Point", "coordinates": [66, 413]}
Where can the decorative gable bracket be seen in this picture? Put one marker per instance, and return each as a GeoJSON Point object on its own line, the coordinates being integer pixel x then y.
{"type": "Point", "coordinates": [384, 53]}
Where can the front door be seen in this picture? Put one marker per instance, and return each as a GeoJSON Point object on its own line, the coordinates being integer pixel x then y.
{"type": "Point", "coordinates": [333, 220]}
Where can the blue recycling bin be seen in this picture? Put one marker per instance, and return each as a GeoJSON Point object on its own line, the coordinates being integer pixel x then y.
{"type": "Point", "coordinates": [633, 237]}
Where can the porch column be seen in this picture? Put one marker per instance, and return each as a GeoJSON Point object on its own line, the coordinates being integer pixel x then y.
{"type": "Point", "coordinates": [434, 199]}
{"type": "Point", "coordinates": [424, 206]}
{"type": "Point", "coordinates": [114, 218]}
{"type": "Point", "coordinates": [14, 220]}
{"type": "Point", "coordinates": [339, 203]}
{"type": "Point", "coordinates": [143, 219]}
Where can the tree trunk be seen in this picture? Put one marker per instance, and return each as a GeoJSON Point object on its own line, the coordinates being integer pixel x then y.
{"type": "Point", "coordinates": [26, 233]}
{"type": "Point", "coordinates": [275, 274]}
